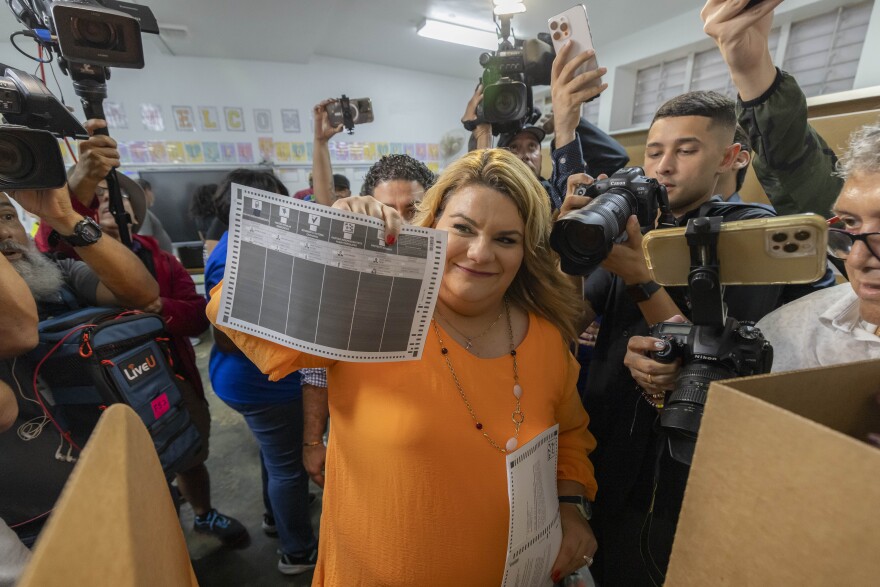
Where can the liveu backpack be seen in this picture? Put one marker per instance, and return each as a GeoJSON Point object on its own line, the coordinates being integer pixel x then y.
{"type": "Point", "coordinates": [92, 357]}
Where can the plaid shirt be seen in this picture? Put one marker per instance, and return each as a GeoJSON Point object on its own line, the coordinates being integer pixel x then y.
{"type": "Point", "coordinates": [316, 377]}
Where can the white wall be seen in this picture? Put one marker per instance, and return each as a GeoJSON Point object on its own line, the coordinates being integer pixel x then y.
{"type": "Point", "coordinates": [410, 106]}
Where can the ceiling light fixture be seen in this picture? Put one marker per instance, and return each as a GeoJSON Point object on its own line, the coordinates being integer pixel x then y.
{"type": "Point", "coordinates": [508, 7]}
{"type": "Point", "coordinates": [453, 33]}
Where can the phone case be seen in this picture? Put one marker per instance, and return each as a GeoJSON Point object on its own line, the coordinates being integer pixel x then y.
{"type": "Point", "coordinates": [362, 107]}
{"type": "Point", "coordinates": [761, 251]}
{"type": "Point", "coordinates": [575, 25]}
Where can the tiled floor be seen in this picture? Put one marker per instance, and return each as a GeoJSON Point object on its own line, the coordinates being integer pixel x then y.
{"type": "Point", "coordinates": [235, 487]}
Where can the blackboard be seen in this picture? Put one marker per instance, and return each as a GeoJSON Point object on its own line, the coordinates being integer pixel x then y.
{"type": "Point", "coordinates": [173, 190]}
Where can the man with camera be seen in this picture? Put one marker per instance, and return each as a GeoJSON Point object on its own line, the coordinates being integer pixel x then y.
{"type": "Point", "coordinates": [690, 144]}
{"type": "Point", "coordinates": [34, 465]}
{"type": "Point", "coordinates": [398, 181]}
{"type": "Point", "coordinates": [578, 146]}
{"type": "Point", "coordinates": [836, 325]}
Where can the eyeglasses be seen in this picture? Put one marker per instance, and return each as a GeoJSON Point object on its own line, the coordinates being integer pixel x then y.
{"type": "Point", "coordinates": [841, 242]}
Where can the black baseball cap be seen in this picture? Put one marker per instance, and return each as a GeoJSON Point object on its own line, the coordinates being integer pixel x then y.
{"type": "Point", "coordinates": [341, 182]}
{"type": "Point", "coordinates": [535, 131]}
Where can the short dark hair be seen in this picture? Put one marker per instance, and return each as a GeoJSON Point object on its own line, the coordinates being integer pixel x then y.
{"type": "Point", "coordinates": [717, 107]}
{"type": "Point", "coordinates": [145, 185]}
{"type": "Point", "coordinates": [252, 178]}
{"type": "Point", "coordinates": [201, 205]}
{"type": "Point", "coordinates": [393, 167]}
{"type": "Point", "coordinates": [741, 136]}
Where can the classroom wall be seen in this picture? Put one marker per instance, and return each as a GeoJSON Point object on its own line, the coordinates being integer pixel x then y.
{"type": "Point", "coordinates": [409, 106]}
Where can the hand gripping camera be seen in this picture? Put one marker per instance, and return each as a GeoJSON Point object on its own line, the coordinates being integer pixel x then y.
{"type": "Point", "coordinates": [712, 348]}
{"type": "Point", "coordinates": [583, 238]}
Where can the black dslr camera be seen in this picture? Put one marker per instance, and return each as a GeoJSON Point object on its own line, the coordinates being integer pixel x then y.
{"type": "Point", "coordinates": [708, 353]}
{"type": "Point", "coordinates": [29, 153]}
{"type": "Point", "coordinates": [508, 76]}
{"type": "Point", "coordinates": [583, 238]}
{"type": "Point", "coordinates": [714, 347]}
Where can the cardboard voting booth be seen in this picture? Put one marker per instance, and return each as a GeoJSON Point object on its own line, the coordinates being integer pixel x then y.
{"type": "Point", "coordinates": [784, 490]}
{"type": "Point", "coordinates": [115, 523]}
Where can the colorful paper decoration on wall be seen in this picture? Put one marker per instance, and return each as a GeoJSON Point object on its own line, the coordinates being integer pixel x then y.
{"type": "Point", "coordinates": [263, 120]}
{"type": "Point", "coordinates": [184, 118]}
{"type": "Point", "coordinates": [209, 120]}
{"type": "Point", "coordinates": [151, 117]}
{"type": "Point", "coordinates": [234, 119]}
{"type": "Point", "coordinates": [212, 152]}
{"type": "Point", "coordinates": [290, 120]}
{"type": "Point", "coordinates": [114, 114]}
{"type": "Point", "coordinates": [245, 152]}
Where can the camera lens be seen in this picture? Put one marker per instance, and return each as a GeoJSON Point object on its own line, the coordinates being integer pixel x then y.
{"type": "Point", "coordinates": [93, 33]}
{"type": "Point", "coordinates": [584, 237]}
{"type": "Point", "coordinates": [802, 235]}
{"type": "Point", "coordinates": [16, 159]}
{"type": "Point", "coordinates": [507, 104]}
{"type": "Point", "coordinates": [683, 411]}
{"type": "Point", "coordinates": [790, 247]}
{"type": "Point", "coordinates": [780, 237]}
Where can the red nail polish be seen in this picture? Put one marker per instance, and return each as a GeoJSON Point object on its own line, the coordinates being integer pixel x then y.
{"type": "Point", "coordinates": [555, 577]}
{"type": "Point", "coordinates": [390, 240]}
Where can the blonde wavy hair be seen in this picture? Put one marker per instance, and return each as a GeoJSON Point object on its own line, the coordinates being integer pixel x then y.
{"type": "Point", "coordinates": [539, 286]}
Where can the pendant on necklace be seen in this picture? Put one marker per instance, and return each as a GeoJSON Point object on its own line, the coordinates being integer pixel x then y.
{"type": "Point", "coordinates": [511, 444]}
{"type": "Point", "coordinates": [517, 391]}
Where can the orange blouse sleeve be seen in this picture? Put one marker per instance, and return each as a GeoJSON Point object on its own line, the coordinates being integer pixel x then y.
{"type": "Point", "coordinates": [575, 440]}
{"type": "Point", "coordinates": [275, 360]}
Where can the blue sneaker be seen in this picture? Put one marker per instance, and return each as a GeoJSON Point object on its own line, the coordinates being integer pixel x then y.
{"type": "Point", "coordinates": [229, 530]}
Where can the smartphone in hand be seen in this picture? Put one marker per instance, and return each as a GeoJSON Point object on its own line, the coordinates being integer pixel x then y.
{"type": "Point", "coordinates": [574, 25]}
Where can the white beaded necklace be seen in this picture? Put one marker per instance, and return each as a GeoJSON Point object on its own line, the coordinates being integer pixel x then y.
{"type": "Point", "coordinates": [518, 417]}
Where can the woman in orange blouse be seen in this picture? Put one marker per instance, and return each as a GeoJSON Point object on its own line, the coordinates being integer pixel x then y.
{"type": "Point", "coordinates": [416, 487]}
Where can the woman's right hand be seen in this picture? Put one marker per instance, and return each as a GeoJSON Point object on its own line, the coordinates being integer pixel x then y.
{"type": "Point", "coordinates": [372, 207]}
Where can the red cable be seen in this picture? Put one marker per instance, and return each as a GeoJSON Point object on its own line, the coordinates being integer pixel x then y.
{"type": "Point", "coordinates": [34, 519]}
{"type": "Point", "coordinates": [39, 398]}
{"type": "Point", "coordinates": [72, 152]}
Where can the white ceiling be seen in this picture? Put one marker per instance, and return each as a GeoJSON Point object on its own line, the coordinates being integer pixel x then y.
{"type": "Point", "coordinates": [375, 31]}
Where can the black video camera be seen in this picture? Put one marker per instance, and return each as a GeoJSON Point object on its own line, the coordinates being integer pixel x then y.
{"type": "Point", "coordinates": [583, 238]}
{"type": "Point", "coordinates": [508, 76]}
{"type": "Point", "coordinates": [29, 154]}
{"type": "Point", "coordinates": [708, 353]}
{"type": "Point", "coordinates": [102, 33]}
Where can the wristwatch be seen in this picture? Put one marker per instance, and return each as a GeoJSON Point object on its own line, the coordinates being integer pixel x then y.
{"type": "Point", "coordinates": [585, 508]}
{"type": "Point", "coordinates": [86, 232]}
{"type": "Point", "coordinates": [642, 292]}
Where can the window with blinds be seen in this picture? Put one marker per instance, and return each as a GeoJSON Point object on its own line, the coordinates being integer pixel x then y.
{"type": "Point", "coordinates": [710, 72]}
{"type": "Point", "coordinates": [823, 52]}
{"type": "Point", "coordinates": [655, 85]}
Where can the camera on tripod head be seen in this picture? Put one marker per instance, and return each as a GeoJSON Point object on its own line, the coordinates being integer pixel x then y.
{"type": "Point", "coordinates": [508, 76]}
{"type": "Point", "coordinates": [29, 154]}
{"type": "Point", "coordinates": [583, 238]}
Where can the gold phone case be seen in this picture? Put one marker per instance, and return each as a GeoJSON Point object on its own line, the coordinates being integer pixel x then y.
{"type": "Point", "coordinates": [783, 249]}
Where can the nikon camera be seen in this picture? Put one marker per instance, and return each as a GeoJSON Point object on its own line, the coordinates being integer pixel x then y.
{"type": "Point", "coordinates": [707, 353]}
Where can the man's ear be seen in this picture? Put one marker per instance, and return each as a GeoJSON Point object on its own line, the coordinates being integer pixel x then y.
{"type": "Point", "coordinates": [730, 154]}
{"type": "Point", "coordinates": [743, 158]}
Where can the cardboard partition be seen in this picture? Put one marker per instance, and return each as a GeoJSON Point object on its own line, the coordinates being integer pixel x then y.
{"type": "Point", "coordinates": [115, 523]}
{"type": "Point", "coordinates": [784, 490]}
